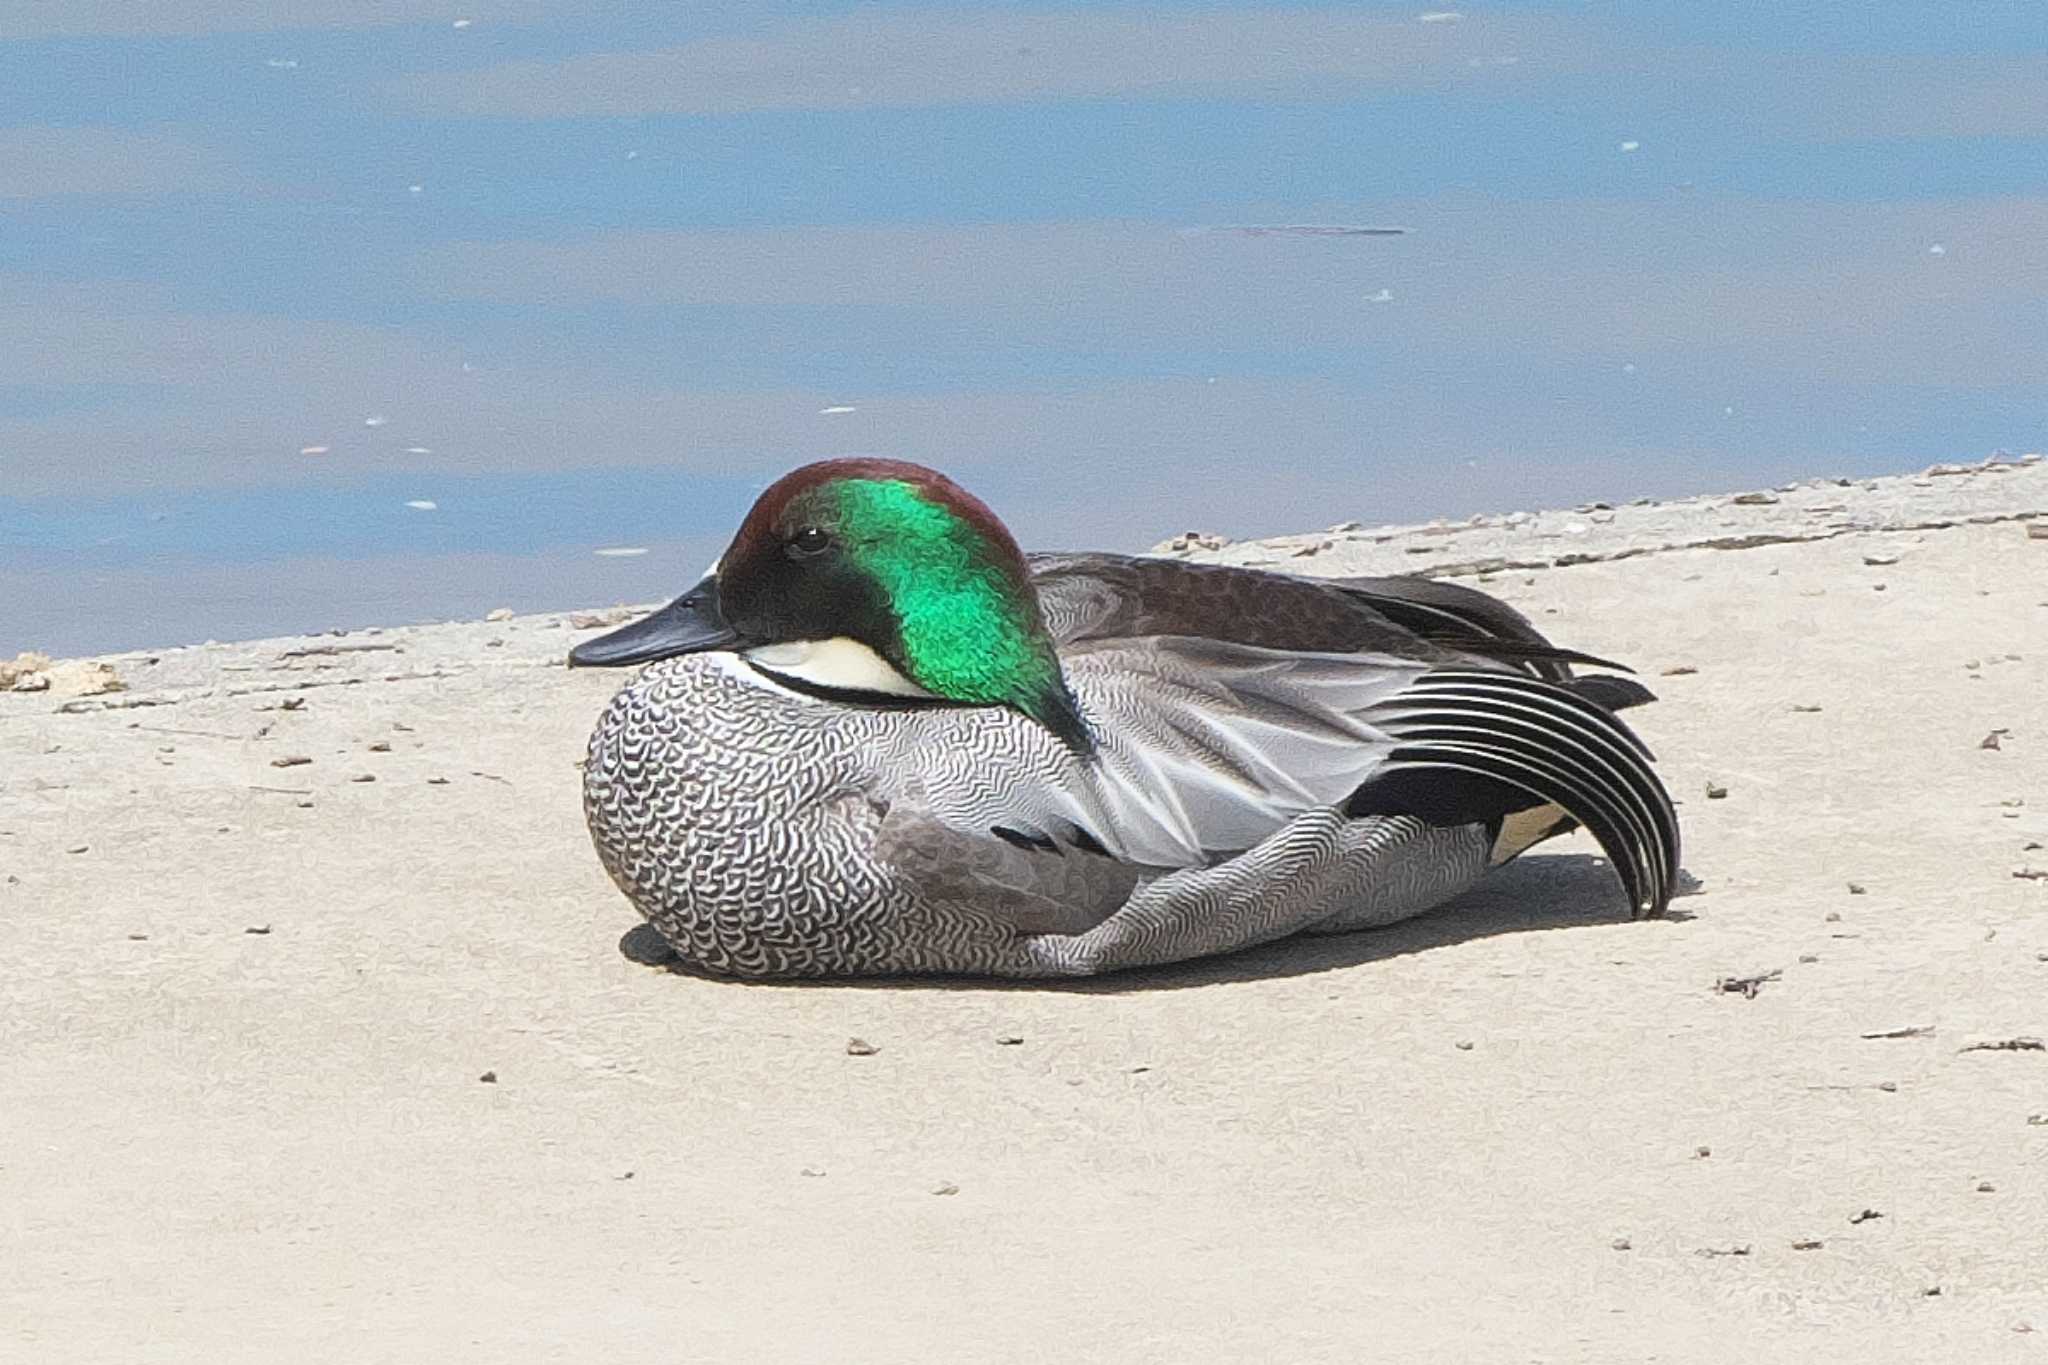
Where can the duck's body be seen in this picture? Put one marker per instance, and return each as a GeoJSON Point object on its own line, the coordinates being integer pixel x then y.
{"type": "Point", "coordinates": [1195, 759]}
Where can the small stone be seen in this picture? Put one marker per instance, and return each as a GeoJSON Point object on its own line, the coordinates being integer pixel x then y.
{"type": "Point", "coordinates": [437, 782]}
{"type": "Point", "coordinates": [138, 938]}
{"type": "Point", "coordinates": [1463, 1045]}
{"type": "Point", "coordinates": [291, 761]}
{"type": "Point", "coordinates": [498, 614]}
{"type": "Point", "coordinates": [364, 777]}
{"type": "Point", "coordinates": [1993, 740]}
{"type": "Point", "coordinates": [1932, 1291]}
{"type": "Point", "coordinates": [1855, 889]}
{"type": "Point", "coordinates": [1680, 671]}
{"type": "Point", "coordinates": [1867, 1216]}
{"type": "Point", "coordinates": [1806, 710]}
{"type": "Point", "coordinates": [257, 929]}
{"type": "Point", "coordinates": [1702, 1153]}
{"type": "Point", "coordinates": [2037, 530]}
{"type": "Point", "coordinates": [1343, 526]}
{"type": "Point", "coordinates": [1809, 958]}
{"type": "Point", "coordinates": [1807, 1244]}
{"type": "Point", "coordinates": [945, 1187]}
{"type": "Point", "coordinates": [1009, 1039]}
{"type": "Point", "coordinates": [814, 1172]}
{"type": "Point", "coordinates": [1986, 1187]}
{"type": "Point", "coordinates": [293, 704]}
{"type": "Point", "coordinates": [1716, 792]}
{"type": "Point", "coordinates": [1621, 1244]}
{"type": "Point", "coordinates": [860, 1047]}
{"type": "Point", "coordinates": [1880, 561]}
{"type": "Point", "coordinates": [79, 848]}
{"type": "Point", "coordinates": [1754, 499]}
{"type": "Point", "coordinates": [380, 746]}
{"type": "Point", "coordinates": [32, 682]}
{"type": "Point", "coordinates": [304, 803]}
{"type": "Point", "coordinates": [489, 1078]}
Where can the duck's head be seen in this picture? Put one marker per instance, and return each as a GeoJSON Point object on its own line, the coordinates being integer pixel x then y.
{"type": "Point", "coordinates": [869, 578]}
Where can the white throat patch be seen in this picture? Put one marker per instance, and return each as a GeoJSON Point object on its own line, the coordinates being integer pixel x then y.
{"type": "Point", "coordinates": [839, 662]}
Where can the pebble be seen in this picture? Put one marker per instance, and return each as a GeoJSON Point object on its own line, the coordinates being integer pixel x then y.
{"type": "Point", "coordinates": [1680, 671]}
{"type": "Point", "coordinates": [1716, 792]}
{"type": "Point", "coordinates": [2037, 530]}
{"type": "Point", "coordinates": [1808, 1244]}
{"type": "Point", "coordinates": [489, 1078]}
{"type": "Point", "coordinates": [1009, 1039]}
{"type": "Point", "coordinates": [380, 746]}
{"type": "Point", "coordinates": [79, 848]}
{"type": "Point", "coordinates": [1867, 1216]}
{"type": "Point", "coordinates": [945, 1187]}
{"type": "Point", "coordinates": [498, 614]}
{"type": "Point", "coordinates": [1621, 1244]}
{"type": "Point", "coordinates": [257, 929]}
{"type": "Point", "coordinates": [364, 777]}
{"type": "Point", "coordinates": [1880, 561]}
{"type": "Point", "coordinates": [1754, 499]}
{"type": "Point", "coordinates": [860, 1047]}
{"type": "Point", "coordinates": [291, 761]}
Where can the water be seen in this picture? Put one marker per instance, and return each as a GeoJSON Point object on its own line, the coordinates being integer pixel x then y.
{"type": "Point", "coordinates": [374, 322]}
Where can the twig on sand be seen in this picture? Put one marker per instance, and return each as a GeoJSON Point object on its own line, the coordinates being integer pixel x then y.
{"type": "Point", "coordinates": [2006, 1045]}
{"type": "Point", "coordinates": [1747, 986]}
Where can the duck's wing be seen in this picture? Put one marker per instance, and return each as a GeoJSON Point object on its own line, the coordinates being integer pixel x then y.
{"type": "Point", "coordinates": [1205, 747]}
{"type": "Point", "coordinates": [1098, 597]}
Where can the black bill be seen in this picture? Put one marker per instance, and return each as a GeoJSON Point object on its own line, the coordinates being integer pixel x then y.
{"type": "Point", "coordinates": [689, 625]}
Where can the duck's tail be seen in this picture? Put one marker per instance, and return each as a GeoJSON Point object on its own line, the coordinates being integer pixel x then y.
{"type": "Point", "coordinates": [1530, 759]}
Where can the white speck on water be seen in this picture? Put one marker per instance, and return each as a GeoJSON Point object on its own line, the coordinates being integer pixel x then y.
{"type": "Point", "coordinates": [462, 23]}
{"type": "Point", "coordinates": [418, 450]}
{"type": "Point", "coordinates": [374, 421]}
{"type": "Point", "coordinates": [834, 410]}
{"type": "Point", "coordinates": [1384, 296]}
{"type": "Point", "coordinates": [1439, 16]}
{"type": "Point", "coordinates": [1631, 145]}
{"type": "Point", "coordinates": [1629, 367]}
{"type": "Point", "coordinates": [468, 368]}
{"type": "Point", "coordinates": [415, 189]}
{"type": "Point", "coordinates": [313, 450]}
{"type": "Point", "coordinates": [620, 551]}
{"type": "Point", "coordinates": [1728, 411]}
{"type": "Point", "coordinates": [423, 505]}
{"type": "Point", "coordinates": [632, 156]}
{"type": "Point", "coordinates": [283, 63]}
{"type": "Point", "coordinates": [1937, 250]}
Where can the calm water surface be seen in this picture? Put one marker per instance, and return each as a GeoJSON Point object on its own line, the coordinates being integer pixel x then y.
{"type": "Point", "coordinates": [313, 318]}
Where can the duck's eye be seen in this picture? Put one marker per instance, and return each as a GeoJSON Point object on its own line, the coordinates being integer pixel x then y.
{"type": "Point", "coordinates": [811, 540]}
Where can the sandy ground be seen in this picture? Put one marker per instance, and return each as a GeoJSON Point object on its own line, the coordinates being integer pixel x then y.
{"type": "Point", "coordinates": [341, 1060]}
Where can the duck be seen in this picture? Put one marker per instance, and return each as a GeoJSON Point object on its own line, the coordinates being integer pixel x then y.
{"type": "Point", "coordinates": [877, 738]}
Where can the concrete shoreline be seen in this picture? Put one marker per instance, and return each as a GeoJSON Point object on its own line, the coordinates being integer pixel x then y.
{"type": "Point", "coordinates": [318, 1040]}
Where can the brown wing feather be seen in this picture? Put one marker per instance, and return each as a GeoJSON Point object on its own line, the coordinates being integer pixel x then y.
{"type": "Point", "coordinates": [1090, 598]}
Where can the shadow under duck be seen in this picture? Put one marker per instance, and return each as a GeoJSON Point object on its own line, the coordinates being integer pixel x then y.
{"type": "Point", "coordinates": [877, 738]}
